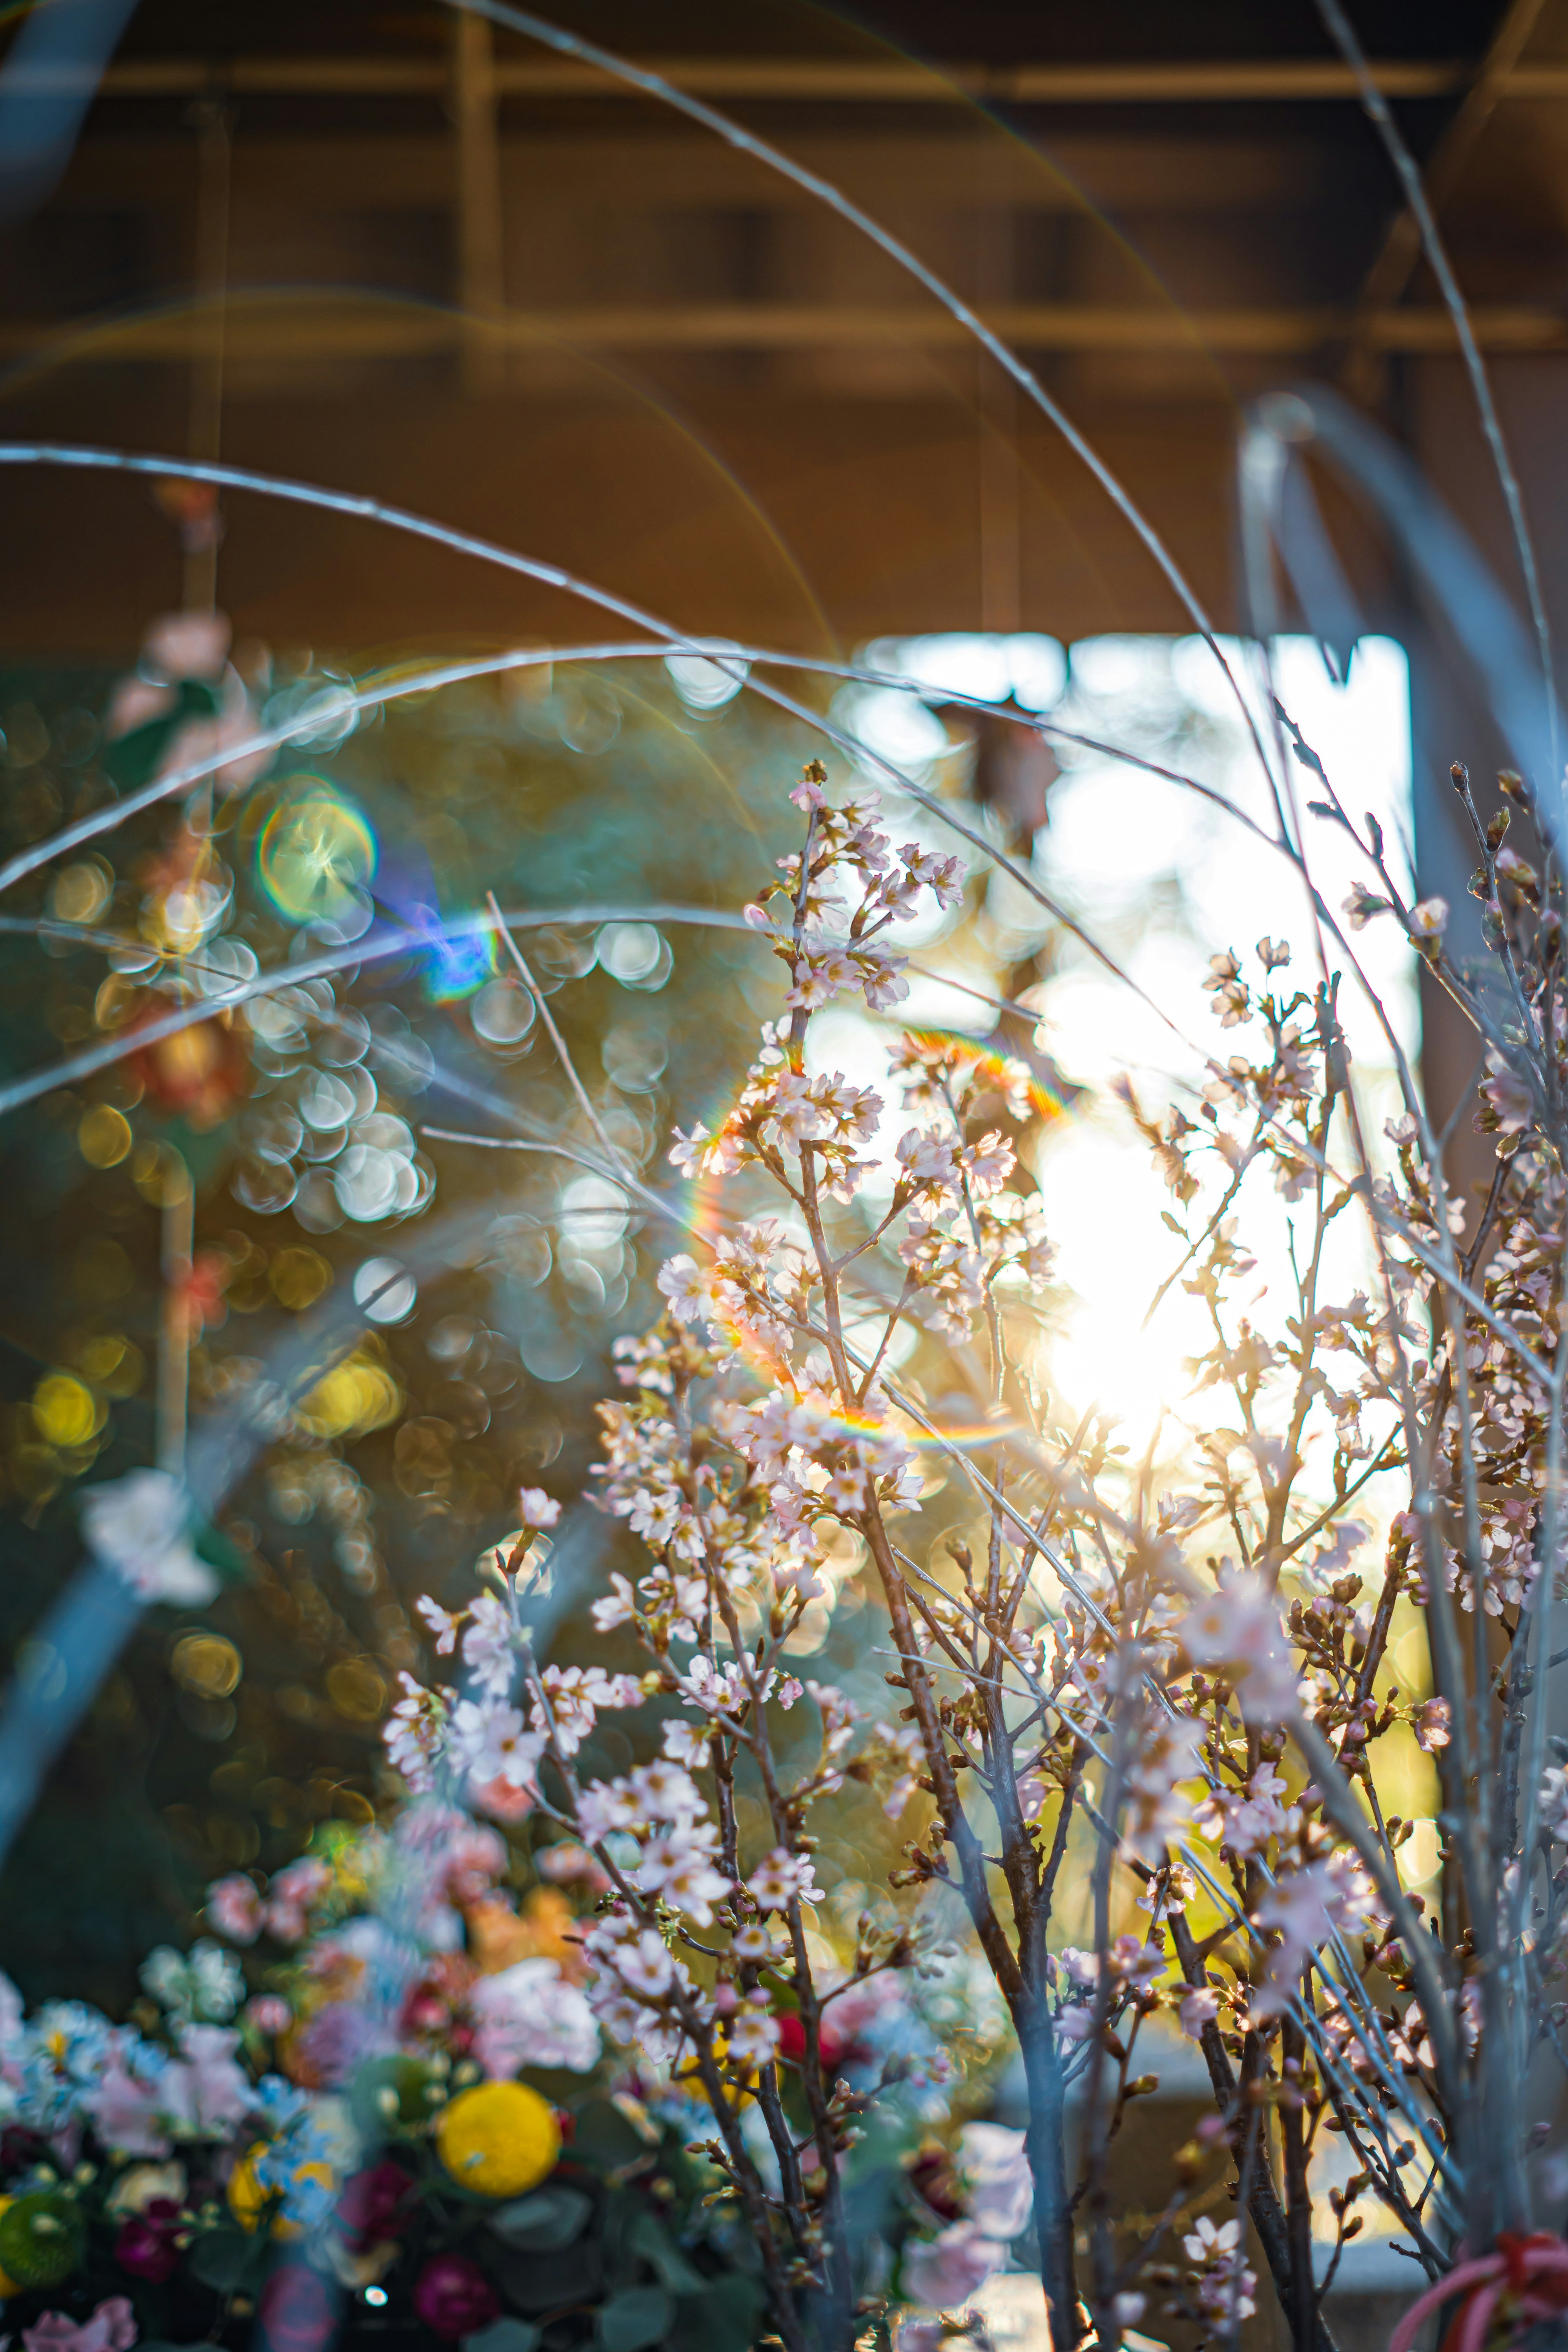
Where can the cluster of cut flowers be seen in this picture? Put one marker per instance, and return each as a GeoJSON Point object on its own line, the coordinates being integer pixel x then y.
{"type": "Point", "coordinates": [320, 2105]}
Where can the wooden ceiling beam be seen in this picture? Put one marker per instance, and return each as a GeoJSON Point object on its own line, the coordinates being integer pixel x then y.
{"type": "Point", "coordinates": [353, 326]}
{"type": "Point", "coordinates": [968, 164]}
{"type": "Point", "coordinates": [818, 81]}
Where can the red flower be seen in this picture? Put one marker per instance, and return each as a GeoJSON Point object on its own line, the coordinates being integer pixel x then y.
{"type": "Point", "coordinates": [296, 2311]}
{"type": "Point", "coordinates": [374, 2205]}
{"type": "Point", "coordinates": [453, 2296]}
{"type": "Point", "coordinates": [792, 2037]}
{"type": "Point", "coordinates": [148, 2245]}
{"type": "Point", "coordinates": [931, 2179]}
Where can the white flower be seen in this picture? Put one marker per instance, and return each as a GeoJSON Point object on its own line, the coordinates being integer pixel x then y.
{"type": "Point", "coordinates": [444, 1626]}
{"type": "Point", "coordinates": [606, 1807]}
{"type": "Point", "coordinates": [528, 2015]}
{"type": "Point", "coordinates": [678, 1867]}
{"type": "Point", "coordinates": [617, 1608]}
{"type": "Point", "coordinates": [206, 1982]}
{"type": "Point", "coordinates": [494, 1743]}
{"type": "Point", "coordinates": [1307, 1906]}
{"type": "Point", "coordinates": [753, 2035]}
{"type": "Point", "coordinates": [139, 1527]}
{"type": "Point", "coordinates": [536, 1508]}
{"type": "Point", "coordinates": [1554, 1803]}
{"type": "Point", "coordinates": [644, 1964]}
{"type": "Point", "coordinates": [752, 1942]}
{"type": "Point", "coordinates": [777, 1880]}
{"type": "Point", "coordinates": [682, 1281]}
{"type": "Point", "coordinates": [487, 1646]}
{"type": "Point", "coordinates": [666, 1793]}
{"type": "Point", "coordinates": [688, 1744]}
{"type": "Point", "coordinates": [1509, 1095]}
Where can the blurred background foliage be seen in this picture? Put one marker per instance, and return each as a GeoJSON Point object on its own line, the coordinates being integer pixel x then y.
{"type": "Point", "coordinates": [454, 1306]}
{"type": "Point", "coordinates": [230, 1732]}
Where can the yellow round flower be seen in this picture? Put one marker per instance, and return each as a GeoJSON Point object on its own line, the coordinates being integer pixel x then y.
{"type": "Point", "coordinates": [500, 2138]}
{"type": "Point", "coordinates": [8, 2286]}
{"type": "Point", "coordinates": [248, 2201]}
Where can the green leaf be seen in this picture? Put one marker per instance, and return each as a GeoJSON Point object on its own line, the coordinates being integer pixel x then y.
{"type": "Point", "coordinates": [652, 2241]}
{"type": "Point", "coordinates": [726, 2317]}
{"type": "Point", "coordinates": [604, 2135]}
{"type": "Point", "coordinates": [540, 2224]}
{"type": "Point", "coordinates": [634, 2318]}
{"type": "Point", "coordinates": [229, 2260]}
{"type": "Point", "coordinates": [503, 2335]}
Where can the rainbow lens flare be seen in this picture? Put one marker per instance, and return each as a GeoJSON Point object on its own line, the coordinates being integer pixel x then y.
{"type": "Point", "coordinates": [317, 853]}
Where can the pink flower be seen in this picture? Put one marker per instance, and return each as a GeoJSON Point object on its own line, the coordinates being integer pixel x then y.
{"type": "Point", "coordinates": [1239, 1628]}
{"type": "Point", "coordinates": [1307, 1907]}
{"type": "Point", "coordinates": [528, 2015]}
{"type": "Point", "coordinates": [205, 2089]}
{"type": "Point", "coordinates": [269, 2014]}
{"type": "Point", "coordinates": [1509, 1095]}
{"type": "Point", "coordinates": [111, 2328]}
{"type": "Point", "coordinates": [1001, 2186]}
{"type": "Point", "coordinates": [944, 2272]}
{"type": "Point", "coordinates": [569, 1864]}
{"type": "Point", "coordinates": [126, 2112]}
{"type": "Point", "coordinates": [1199, 2008]}
{"type": "Point", "coordinates": [502, 1799]}
{"type": "Point", "coordinates": [453, 2296]}
{"type": "Point", "coordinates": [234, 1907]}
{"type": "Point", "coordinates": [294, 1890]}
{"type": "Point", "coordinates": [538, 1508]}
{"type": "Point", "coordinates": [186, 644]}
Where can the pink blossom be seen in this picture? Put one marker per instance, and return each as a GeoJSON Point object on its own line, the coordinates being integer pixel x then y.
{"type": "Point", "coordinates": [206, 2090]}
{"type": "Point", "coordinates": [234, 1907]}
{"type": "Point", "coordinates": [943, 2272]}
{"type": "Point", "coordinates": [1509, 1095]}
{"type": "Point", "coordinates": [126, 2112]}
{"type": "Point", "coordinates": [1239, 1628]}
{"type": "Point", "coordinates": [754, 2035]}
{"type": "Point", "coordinates": [1001, 2186]}
{"type": "Point", "coordinates": [570, 1863]}
{"type": "Point", "coordinates": [111, 2328]}
{"type": "Point", "coordinates": [1199, 2008]}
{"type": "Point", "coordinates": [502, 1799]}
{"type": "Point", "coordinates": [538, 1509]}
{"type": "Point", "coordinates": [293, 1891]}
{"type": "Point", "coordinates": [1307, 1907]}
{"type": "Point", "coordinates": [528, 2015]}
{"type": "Point", "coordinates": [186, 644]}
{"type": "Point", "coordinates": [442, 1623]}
